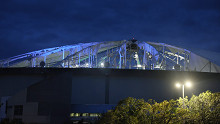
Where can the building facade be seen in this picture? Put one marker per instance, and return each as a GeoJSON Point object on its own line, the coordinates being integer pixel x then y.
{"type": "Point", "coordinates": [57, 95]}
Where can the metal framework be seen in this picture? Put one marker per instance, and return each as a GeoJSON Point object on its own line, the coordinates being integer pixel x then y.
{"type": "Point", "coordinates": [125, 54]}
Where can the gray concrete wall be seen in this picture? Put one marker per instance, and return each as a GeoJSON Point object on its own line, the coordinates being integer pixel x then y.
{"type": "Point", "coordinates": [10, 84]}
{"type": "Point", "coordinates": [89, 87]}
{"type": "Point", "coordinates": [54, 90]}
{"type": "Point", "coordinates": [88, 90]}
{"type": "Point", "coordinates": [30, 110]}
{"type": "Point", "coordinates": [3, 102]}
{"type": "Point", "coordinates": [53, 96]}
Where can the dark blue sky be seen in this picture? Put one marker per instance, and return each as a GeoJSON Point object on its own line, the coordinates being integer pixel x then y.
{"type": "Point", "coordinates": [36, 24]}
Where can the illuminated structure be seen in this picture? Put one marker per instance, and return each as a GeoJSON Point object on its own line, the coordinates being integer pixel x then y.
{"type": "Point", "coordinates": [178, 85]}
{"type": "Point", "coordinates": [82, 81]}
{"type": "Point", "coordinates": [130, 54]}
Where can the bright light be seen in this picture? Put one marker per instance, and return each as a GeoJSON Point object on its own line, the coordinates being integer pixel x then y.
{"type": "Point", "coordinates": [87, 64]}
{"type": "Point", "coordinates": [102, 64]}
{"type": "Point", "coordinates": [139, 66]}
{"type": "Point", "coordinates": [178, 85]}
{"type": "Point", "coordinates": [136, 55]}
{"type": "Point", "coordinates": [188, 84]}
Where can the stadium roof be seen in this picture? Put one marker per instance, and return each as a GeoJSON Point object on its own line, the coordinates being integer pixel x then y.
{"type": "Point", "coordinates": [126, 54]}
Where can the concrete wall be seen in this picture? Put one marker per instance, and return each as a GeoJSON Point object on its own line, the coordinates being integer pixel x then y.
{"type": "Point", "coordinates": [88, 89]}
{"type": "Point", "coordinates": [11, 83]}
{"type": "Point", "coordinates": [47, 101]}
{"type": "Point", "coordinates": [89, 86]}
{"type": "Point", "coordinates": [51, 91]}
{"type": "Point", "coordinates": [30, 110]}
{"type": "Point", "coordinates": [3, 102]}
{"type": "Point", "coordinates": [53, 96]}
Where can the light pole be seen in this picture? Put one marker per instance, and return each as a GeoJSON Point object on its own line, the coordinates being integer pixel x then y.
{"type": "Point", "coordinates": [188, 84]}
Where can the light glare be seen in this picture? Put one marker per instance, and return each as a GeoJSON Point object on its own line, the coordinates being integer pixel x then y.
{"type": "Point", "coordinates": [102, 64]}
{"type": "Point", "coordinates": [188, 84]}
{"type": "Point", "coordinates": [139, 65]}
{"type": "Point", "coordinates": [178, 85]}
{"type": "Point", "coordinates": [136, 55]}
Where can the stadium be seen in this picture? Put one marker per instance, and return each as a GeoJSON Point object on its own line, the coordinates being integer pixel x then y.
{"type": "Point", "coordinates": [83, 80]}
{"type": "Point", "coordinates": [130, 54]}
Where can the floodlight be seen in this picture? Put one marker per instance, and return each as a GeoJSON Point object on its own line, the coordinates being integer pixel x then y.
{"type": "Point", "coordinates": [139, 65]}
{"type": "Point", "coordinates": [178, 85]}
{"type": "Point", "coordinates": [102, 64]}
{"type": "Point", "coordinates": [188, 84]}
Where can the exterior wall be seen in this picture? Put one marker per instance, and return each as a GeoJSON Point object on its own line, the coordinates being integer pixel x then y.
{"type": "Point", "coordinates": [91, 89]}
{"type": "Point", "coordinates": [31, 114]}
{"type": "Point", "coordinates": [146, 88]}
{"type": "Point", "coordinates": [53, 96]}
{"type": "Point", "coordinates": [30, 110]}
{"type": "Point", "coordinates": [3, 102]}
{"type": "Point", "coordinates": [18, 99]}
{"type": "Point", "coordinates": [49, 100]}
{"type": "Point", "coordinates": [13, 83]}
{"type": "Point", "coordinates": [88, 89]}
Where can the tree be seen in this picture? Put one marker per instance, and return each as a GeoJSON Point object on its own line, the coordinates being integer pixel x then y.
{"type": "Point", "coordinates": [138, 111]}
{"type": "Point", "coordinates": [128, 111]}
{"type": "Point", "coordinates": [204, 108]}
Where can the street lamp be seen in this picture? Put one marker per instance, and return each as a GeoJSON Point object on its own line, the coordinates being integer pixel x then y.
{"type": "Point", "coordinates": [178, 85]}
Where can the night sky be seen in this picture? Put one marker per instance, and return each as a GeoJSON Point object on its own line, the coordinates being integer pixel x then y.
{"type": "Point", "coordinates": [28, 25]}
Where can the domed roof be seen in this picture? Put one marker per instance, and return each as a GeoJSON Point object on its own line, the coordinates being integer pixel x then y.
{"type": "Point", "coordinates": [115, 54]}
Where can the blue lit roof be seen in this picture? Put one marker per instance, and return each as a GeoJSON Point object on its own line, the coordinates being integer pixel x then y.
{"type": "Point", "coordinates": [114, 54]}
